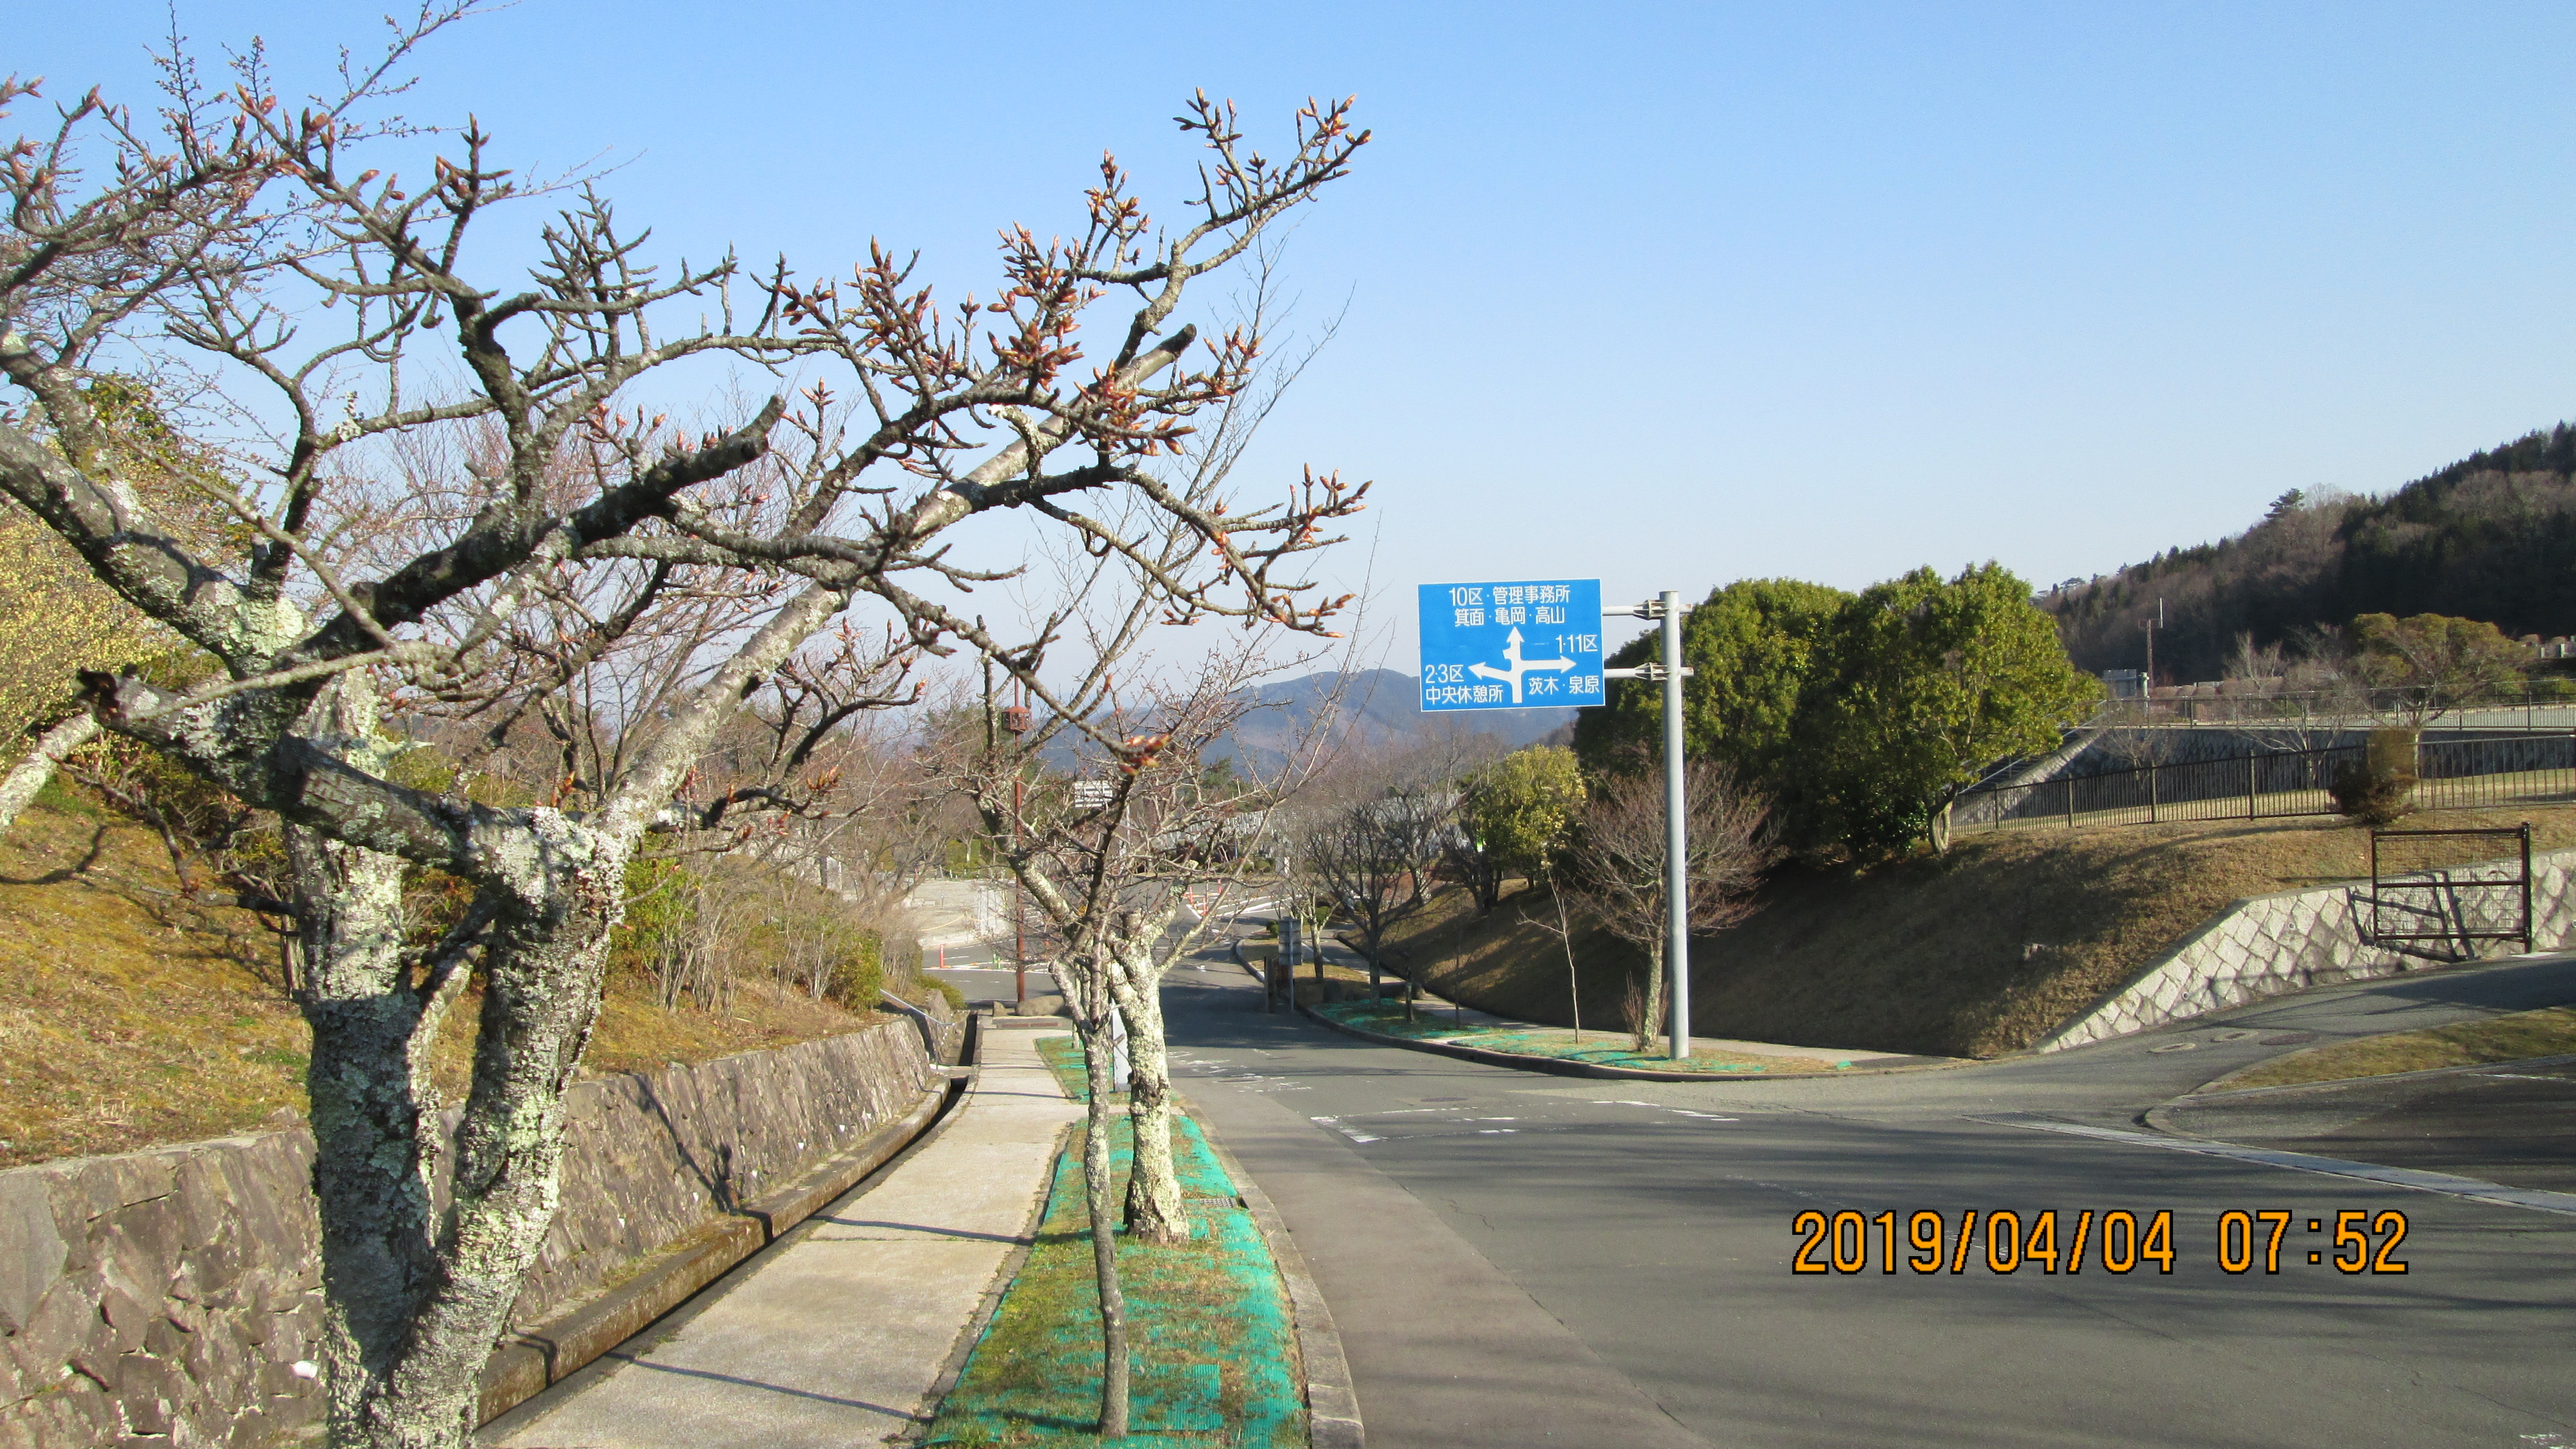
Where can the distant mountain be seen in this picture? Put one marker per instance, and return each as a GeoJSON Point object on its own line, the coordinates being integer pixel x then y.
{"type": "Point", "coordinates": [1377, 706]}
{"type": "Point", "coordinates": [2491, 537]}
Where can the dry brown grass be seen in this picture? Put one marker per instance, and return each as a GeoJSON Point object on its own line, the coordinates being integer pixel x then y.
{"type": "Point", "coordinates": [2520, 1037]}
{"type": "Point", "coordinates": [1974, 953]}
{"type": "Point", "coordinates": [130, 1018]}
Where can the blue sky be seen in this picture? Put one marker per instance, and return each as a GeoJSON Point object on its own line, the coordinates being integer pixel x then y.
{"type": "Point", "coordinates": [1670, 296]}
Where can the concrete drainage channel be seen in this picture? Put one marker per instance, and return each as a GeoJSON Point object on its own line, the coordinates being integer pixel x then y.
{"type": "Point", "coordinates": [690, 1275]}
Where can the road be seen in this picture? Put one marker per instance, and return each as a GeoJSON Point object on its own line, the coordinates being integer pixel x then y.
{"type": "Point", "coordinates": [1516, 1259]}
{"type": "Point", "coordinates": [984, 973]}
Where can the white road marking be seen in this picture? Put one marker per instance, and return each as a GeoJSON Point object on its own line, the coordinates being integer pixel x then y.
{"type": "Point", "coordinates": [2473, 1189]}
{"type": "Point", "coordinates": [1350, 1132]}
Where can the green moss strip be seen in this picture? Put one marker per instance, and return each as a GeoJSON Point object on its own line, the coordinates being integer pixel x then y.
{"type": "Point", "coordinates": [1213, 1345]}
{"type": "Point", "coordinates": [1598, 1048]}
{"type": "Point", "coordinates": [1062, 1052]}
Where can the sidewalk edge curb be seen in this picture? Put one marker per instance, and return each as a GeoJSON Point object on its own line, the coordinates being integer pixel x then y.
{"type": "Point", "coordinates": [1332, 1402]}
{"type": "Point", "coordinates": [953, 1367]}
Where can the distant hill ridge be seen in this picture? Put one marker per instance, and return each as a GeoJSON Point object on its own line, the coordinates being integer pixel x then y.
{"type": "Point", "coordinates": [2491, 537]}
{"type": "Point", "coordinates": [1378, 706]}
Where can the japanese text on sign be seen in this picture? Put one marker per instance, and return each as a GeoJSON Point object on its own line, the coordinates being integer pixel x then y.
{"type": "Point", "coordinates": [1511, 645]}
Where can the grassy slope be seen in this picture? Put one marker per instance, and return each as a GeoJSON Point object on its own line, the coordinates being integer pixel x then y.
{"type": "Point", "coordinates": [129, 1018]}
{"type": "Point", "coordinates": [1974, 953]}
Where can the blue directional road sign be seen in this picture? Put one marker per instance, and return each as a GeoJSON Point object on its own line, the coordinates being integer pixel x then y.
{"type": "Point", "coordinates": [1512, 644]}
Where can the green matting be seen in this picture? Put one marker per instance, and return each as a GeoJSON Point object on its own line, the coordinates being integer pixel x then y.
{"type": "Point", "coordinates": [1600, 1048]}
{"type": "Point", "coordinates": [1212, 1347]}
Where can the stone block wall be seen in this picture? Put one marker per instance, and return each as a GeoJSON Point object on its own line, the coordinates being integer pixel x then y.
{"type": "Point", "coordinates": [654, 1156]}
{"type": "Point", "coordinates": [167, 1297]}
{"type": "Point", "coordinates": [2266, 945]}
{"type": "Point", "coordinates": [159, 1297]}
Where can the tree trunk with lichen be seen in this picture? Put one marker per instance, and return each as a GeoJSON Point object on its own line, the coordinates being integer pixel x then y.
{"type": "Point", "coordinates": [29, 776]}
{"type": "Point", "coordinates": [1154, 1209]}
{"type": "Point", "coordinates": [1092, 1012]}
{"type": "Point", "coordinates": [418, 1295]}
{"type": "Point", "coordinates": [1647, 1004]}
{"type": "Point", "coordinates": [418, 1289]}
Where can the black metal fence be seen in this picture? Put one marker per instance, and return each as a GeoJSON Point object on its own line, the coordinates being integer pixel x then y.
{"type": "Point", "coordinates": [2450, 775]}
{"type": "Point", "coordinates": [2545, 704]}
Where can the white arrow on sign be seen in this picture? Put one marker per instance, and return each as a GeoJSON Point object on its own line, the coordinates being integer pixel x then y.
{"type": "Point", "coordinates": [1519, 666]}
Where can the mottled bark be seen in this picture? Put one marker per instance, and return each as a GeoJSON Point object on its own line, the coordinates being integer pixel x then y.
{"type": "Point", "coordinates": [1155, 1212]}
{"type": "Point", "coordinates": [417, 1290]}
{"type": "Point", "coordinates": [1650, 1014]}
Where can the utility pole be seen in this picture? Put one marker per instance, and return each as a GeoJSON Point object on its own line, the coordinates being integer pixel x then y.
{"type": "Point", "coordinates": [1667, 607]}
{"type": "Point", "coordinates": [1016, 720]}
{"type": "Point", "coordinates": [2148, 694]}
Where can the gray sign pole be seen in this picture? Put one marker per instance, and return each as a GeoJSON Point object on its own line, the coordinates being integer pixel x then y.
{"type": "Point", "coordinates": [1676, 828]}
{"type": "Point", "coordinates": [1667, 607]}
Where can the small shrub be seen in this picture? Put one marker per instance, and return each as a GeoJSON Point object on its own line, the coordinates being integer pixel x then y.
{"type": "Point", "coordinates": [858, 976]}
{"type": "Point", "coordinates": [2375, 797]}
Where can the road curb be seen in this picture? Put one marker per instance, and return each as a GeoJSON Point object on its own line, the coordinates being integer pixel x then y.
{"type": "Point", "coordinates": [2202, 1093]}
{"type": "Point", "coordinates": [1557, 1066]}
{"type": "Point", "coordinates": [2160, 1116]}
{"type": "Point", "coordinates": [1332, 1402]}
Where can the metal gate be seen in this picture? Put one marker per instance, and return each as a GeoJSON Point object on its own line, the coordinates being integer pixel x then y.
{"type": "Point", "coordinates": [2438, 913]}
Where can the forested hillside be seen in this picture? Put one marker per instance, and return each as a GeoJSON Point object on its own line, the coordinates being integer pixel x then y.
{"type": "Point", "coordinates": [2492, 537]}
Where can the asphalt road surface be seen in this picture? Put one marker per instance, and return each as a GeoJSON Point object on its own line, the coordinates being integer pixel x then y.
{"type": "Point", "coordinates": [984, 973]}
{"type": "Point", "coordinates": [1518, 1259]}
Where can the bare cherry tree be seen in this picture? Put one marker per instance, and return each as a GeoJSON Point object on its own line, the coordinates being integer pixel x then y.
{"type": "Point", "coordinates": [316, 311]}
{"type": "Point", "coordinates": [1616, 865]}
{"type": "Point", "coordinates": [1368, 836]}
{"type": "Point", "coordinates": [1109, 858]}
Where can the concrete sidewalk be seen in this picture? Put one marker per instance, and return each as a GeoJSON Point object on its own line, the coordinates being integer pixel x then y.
{"type": "Point", "coordinates": [839, 1338]}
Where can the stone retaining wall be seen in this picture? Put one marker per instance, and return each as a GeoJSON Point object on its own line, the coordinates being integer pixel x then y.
{"type": "Point", "coordinates": [166, 1297]}
{"type": "Point", "coordinates": [2266, 945]}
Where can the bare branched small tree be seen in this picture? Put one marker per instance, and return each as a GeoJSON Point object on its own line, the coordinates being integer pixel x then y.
{"type": "Point", "coordinates": [322, 320]}
{"type": "Point", "coordinates": [1109, 860]}
{"type": "Point", "coordinates": [1371, 852]}
{"type": "Point", "coordinates": [1616, 865]}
